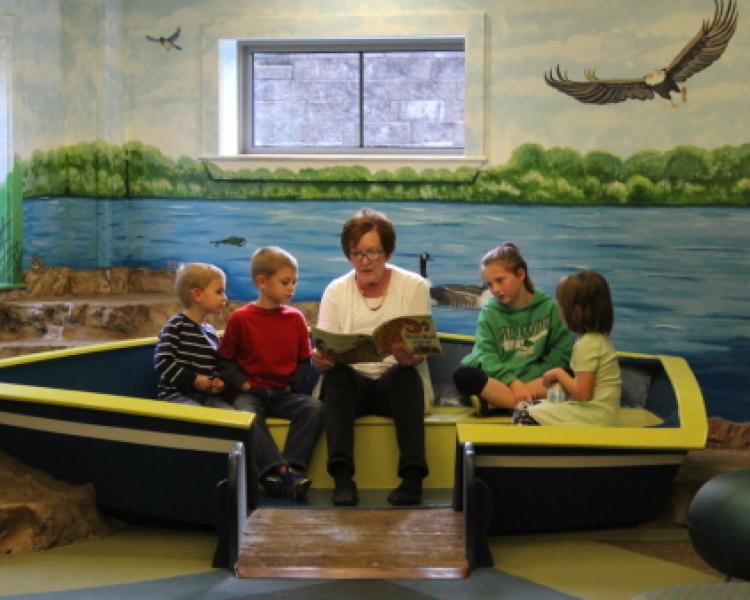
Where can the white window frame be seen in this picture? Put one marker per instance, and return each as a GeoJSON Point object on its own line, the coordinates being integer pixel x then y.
{"type": "Point", "coordinates": [220, 142]}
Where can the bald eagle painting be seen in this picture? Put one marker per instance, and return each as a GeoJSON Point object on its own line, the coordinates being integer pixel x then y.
{"type": "Point", "coordinates": [706, 47]}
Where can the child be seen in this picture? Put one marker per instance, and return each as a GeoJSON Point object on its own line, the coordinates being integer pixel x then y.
{"type": "Point", "coordinates": [519, 336]}
{"type": "Point", "coordinates": [593, 391]}
{"type": "Point", "coordinates": [185, 355]}
{"type": "Point", "coordinates": [266, 353]}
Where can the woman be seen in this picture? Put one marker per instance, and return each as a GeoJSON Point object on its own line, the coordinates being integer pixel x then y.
{"type": "Point", "coordinates": [372, 293]}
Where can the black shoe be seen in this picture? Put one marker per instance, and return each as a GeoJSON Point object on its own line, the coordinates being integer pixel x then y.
{"type": "Point", "coordinates": [273, 483]}
{"type": "Point", "coordinates": [406, 494]}
{"type": "Point", "coordinates": [345, 493]}
{"type": "Point", "coordinates": [296, 485]}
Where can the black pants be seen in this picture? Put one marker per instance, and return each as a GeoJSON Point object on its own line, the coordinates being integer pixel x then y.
{"type": "Point", "coordinates": [398, 394]}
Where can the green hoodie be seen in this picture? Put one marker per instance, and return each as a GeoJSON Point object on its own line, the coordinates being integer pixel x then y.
{"type": "Point", "coordinates": [522, 343]}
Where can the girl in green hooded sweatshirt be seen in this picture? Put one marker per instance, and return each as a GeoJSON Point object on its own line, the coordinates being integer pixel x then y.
{"type": "Point", "coordinates": [519, 336]}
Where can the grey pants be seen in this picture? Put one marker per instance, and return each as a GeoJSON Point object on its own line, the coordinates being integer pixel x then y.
{"type": "Point", "coordinates": [305, 414]}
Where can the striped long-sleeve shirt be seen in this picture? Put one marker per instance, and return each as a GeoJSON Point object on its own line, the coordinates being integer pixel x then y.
{"type": "Point", "coordinates": [185, 349]}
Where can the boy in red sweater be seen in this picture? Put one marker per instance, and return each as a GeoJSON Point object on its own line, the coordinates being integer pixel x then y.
{"type": "Point", "coordinates": [265, 353]}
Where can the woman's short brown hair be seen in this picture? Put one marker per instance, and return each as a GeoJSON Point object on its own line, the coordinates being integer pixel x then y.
{"type": "Point", "coordinates": [364, 221]}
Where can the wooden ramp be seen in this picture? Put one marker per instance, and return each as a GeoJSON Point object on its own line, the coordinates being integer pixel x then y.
{"type": "Point", "coordinates": [357, 543]}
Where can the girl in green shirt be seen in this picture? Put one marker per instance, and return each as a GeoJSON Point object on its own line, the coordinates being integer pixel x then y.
{"type": "Point", "coordinates": [519, 336]}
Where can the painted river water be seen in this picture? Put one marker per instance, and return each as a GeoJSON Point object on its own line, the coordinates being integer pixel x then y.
{"type": "Point", "coordinates": [679, 276]}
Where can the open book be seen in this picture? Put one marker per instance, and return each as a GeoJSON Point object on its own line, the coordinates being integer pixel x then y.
{"type": "Point", "coordinates": [416, 332]}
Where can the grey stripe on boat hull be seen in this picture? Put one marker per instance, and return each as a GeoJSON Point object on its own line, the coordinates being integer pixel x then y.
{"type": "Point", "coordinates": [118, 434]}
{"type": "Point", "coordinates": [551, 461]}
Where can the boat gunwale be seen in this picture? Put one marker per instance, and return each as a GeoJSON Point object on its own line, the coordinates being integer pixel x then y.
{"type": "Point", "coordinates": [690, 434]}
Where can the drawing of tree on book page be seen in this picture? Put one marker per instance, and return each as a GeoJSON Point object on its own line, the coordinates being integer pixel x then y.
{"type": "Point", "coordinates": [417, 332]}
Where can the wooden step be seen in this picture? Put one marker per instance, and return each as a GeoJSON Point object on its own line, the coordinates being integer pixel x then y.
{"type": "Point", "coordinates": [353, 543]}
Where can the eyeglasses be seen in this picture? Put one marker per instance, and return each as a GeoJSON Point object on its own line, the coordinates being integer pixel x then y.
{"type": "Point", "coordinates": [370, 254]}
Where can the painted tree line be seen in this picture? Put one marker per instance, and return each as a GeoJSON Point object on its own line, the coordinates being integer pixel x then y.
{"type": "Point", "coordinates": [685, 175]}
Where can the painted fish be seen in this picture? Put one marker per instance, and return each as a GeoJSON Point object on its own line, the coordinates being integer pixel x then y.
{"type": "Point", "coordinates": [232, 240]}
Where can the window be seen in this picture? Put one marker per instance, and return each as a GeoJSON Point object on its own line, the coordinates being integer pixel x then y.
{"type": "Point", "coordinates": [379, 95]}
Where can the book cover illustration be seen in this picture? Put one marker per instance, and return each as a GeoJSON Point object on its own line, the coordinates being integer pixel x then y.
{"type": "Point", "coordinates": [416, 332]}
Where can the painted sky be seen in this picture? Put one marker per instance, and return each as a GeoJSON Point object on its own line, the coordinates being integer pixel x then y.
{"type": "Point", "coordinates": [84, 70]}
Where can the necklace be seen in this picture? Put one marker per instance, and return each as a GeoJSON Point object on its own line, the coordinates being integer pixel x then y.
{"type": "Point", "coordinates": [368, 302]}
{"type": "Point", "coordinates": [379, 305]}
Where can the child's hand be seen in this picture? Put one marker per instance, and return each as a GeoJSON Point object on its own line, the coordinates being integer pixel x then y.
{"type": "Point", "coordinates": [245, 386]}
{"type": "Point", "coordinates": [550, 378]}
{"type": "Point", "coordinates": [319, 363]}
{"type": "Point", "coordinates": [521, 391]}
{"type": "Point", "coordinates": [217, 385]}
{"type": "Point", "coordinates": [202, 383]}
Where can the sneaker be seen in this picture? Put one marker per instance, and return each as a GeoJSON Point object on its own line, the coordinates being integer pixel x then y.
{"type": "Point", "coordinates": [296, 485]}
{"type": "Point", "coordinates": [481, 407]}
{"type": "Point", "coordinates": [273, 484]}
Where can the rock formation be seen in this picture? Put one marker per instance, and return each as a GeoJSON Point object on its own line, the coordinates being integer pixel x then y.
{"type": "Point", "coordinates": [61, 307]}
{"type": "Point", "coordinates": [38, 511]}
{"type": "Point", "coordinates": [727, 434]}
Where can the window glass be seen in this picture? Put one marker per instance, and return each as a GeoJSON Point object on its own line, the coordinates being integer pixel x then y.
{"type": "Point", "coordinates": [306, 99]}
{"type": "Point", "coordinates": [414, 99]}
{"type": "Point", "coordinates": [349, 95]}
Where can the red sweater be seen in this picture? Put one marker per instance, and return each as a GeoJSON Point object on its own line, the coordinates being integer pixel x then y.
{"type": "Point", "coordinates": [267, 344]}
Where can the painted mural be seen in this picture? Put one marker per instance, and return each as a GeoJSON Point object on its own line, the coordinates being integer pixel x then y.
{"type": "Point", "coordinates": [701, 51]}
{"type": "Point", "coordinates": [124, 170]}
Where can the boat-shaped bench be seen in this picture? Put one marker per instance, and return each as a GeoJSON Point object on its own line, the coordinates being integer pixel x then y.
{"type": "Point", "coordinates": [87, 415]}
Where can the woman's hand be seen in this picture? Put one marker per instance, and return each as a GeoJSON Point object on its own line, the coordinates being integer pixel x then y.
{"type": "Point", "coordinates": [320, 364]}
{"type": "Point", "coordinates": [404, 356]}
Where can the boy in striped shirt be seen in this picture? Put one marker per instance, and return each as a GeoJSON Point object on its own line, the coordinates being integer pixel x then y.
{"type": "Point", "coordinates": [185, 355]}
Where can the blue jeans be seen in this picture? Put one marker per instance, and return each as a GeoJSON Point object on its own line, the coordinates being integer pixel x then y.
{"type": "Point", "coordinates": [305, 414]}
{"type": "Point", "coordinates": [202, 399]}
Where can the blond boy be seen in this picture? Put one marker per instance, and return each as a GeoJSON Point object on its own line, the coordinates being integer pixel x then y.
{"type": "Point", "coordinates": [185, 355]}
{"type": "Point", "coordinates": [266, 354]}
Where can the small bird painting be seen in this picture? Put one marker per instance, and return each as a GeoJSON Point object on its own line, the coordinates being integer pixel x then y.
{"type": "Point", "coordinates": [700, 52]}
{"type": "Point", "coordinates": [167, 42]}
